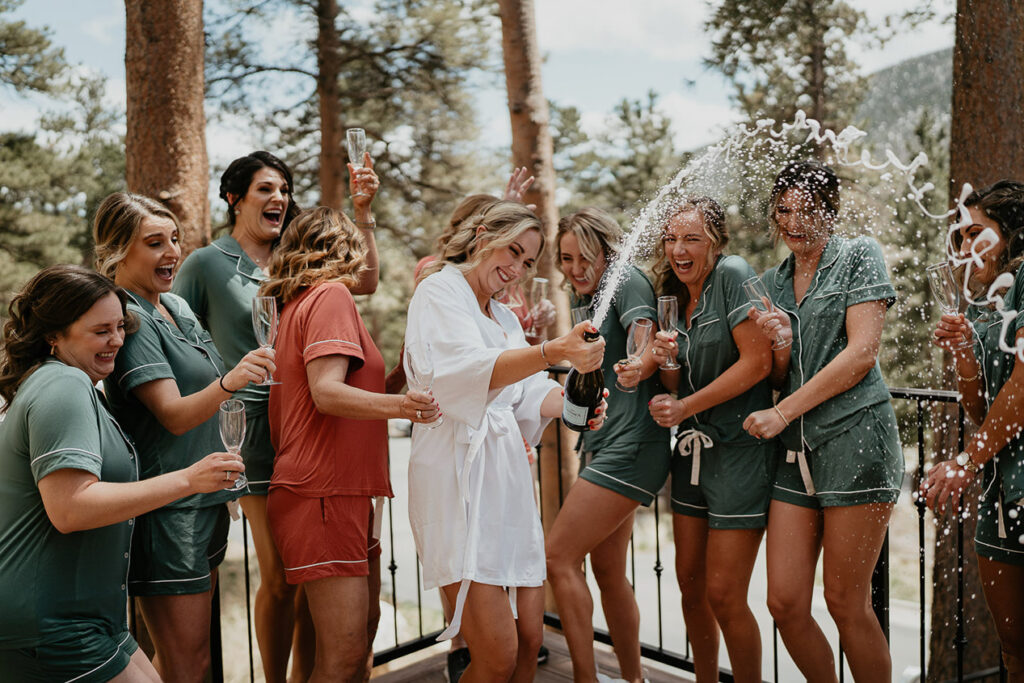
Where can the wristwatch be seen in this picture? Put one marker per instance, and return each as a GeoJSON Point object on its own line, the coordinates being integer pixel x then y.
{"type": "Point", "coordinates": [964, 461]}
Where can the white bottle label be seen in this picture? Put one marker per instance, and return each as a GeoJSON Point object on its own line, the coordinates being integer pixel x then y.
{"type": "Point", "coordinates": [574, 414]}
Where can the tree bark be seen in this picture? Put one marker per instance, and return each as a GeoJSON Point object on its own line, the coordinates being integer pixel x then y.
{"type": "Point", "coordinates": [165, 142]}
{"type": "Point", "coordinates": [986, 144]}
{"type": "Point", "coordinates": [332, 158]}
{"type": "Point", "coordinates": [533, 147]}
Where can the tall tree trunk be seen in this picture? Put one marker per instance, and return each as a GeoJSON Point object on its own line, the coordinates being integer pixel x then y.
{"type": "Point", "coordinates": [533, 147]}
{"type": "Point", "coordinates": [165, 144]}
{"type": "Point", "coordinates": [986, 145]}
{"type": "Point", "coordinates": [332, 158]}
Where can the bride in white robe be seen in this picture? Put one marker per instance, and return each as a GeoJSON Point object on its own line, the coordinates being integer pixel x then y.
{"type": "Point", "coordinates": [471, 502]}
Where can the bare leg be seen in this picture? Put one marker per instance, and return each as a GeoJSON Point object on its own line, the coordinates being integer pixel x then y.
{"type": "Point", "coordinates": [1003, 585]}
{"type": "Point", "coordinates": [275, 598]}
{"type": "Point", "coordinates": [139, 670]}
{"type": "Point", "coordinates": [730, 562]}
{"type": "Point", "coordinates": [458, 641]}
{"type": "Point", "coordinates": [608, 560]}
{"type": "Point", "coordinates": [180, 628]}
{"type": "Point", "coordinates": [588, 516]}
{"type": "Point", "coordinates": [690, 535]}
{"type": "Point", "coordinates": [339, 606]}
{"type": "Point", "coordinates": [303, 640]}
{"type": "Point", "coordinates": [794, 542]}
{"type": "Point", "coordinates": [372, 613]}
{"type": "Point", "coordinates": [852, 541]}
{"type": "Point", "coordinates": [530, 631]}
{"type": "Point", "coordinates": [490, 631]}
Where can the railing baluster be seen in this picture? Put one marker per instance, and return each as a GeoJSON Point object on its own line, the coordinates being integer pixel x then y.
{"type": "Point", "coordinates": [248, 600]}
{"type": "Point", "coordinates": [961, 638]}
{"type": "Point", "coordinates": [921, 507]}
{"type": "Point", "coordinates": [393, 569]}
{"type": "Point", "coordinates": [658, 569]}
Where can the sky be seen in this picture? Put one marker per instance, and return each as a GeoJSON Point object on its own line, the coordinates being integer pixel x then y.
{"type": "Point", "coordinates": [596, 52]}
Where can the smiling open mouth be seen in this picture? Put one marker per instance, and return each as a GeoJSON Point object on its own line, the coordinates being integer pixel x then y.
{"type": "Point", "coordinates": [273, 217]}
{"type": "Point", "coordinates": [165, 272]}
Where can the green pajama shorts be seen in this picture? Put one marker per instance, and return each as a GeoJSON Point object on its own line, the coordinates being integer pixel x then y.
{"type": "Point", "coordinates": [635, 470]}
{"type": "Point", "coordinates": [174, 550]}
{"type": "Point", "coordinates": [734, 489]}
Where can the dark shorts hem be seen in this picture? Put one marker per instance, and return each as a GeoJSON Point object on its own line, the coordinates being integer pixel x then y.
{"type": "Point", "coordinates": [834, 500]}
{"type": "Point", "coordinates": [635, 470]}
{"type": "Point", "coordinates": [987, 543]}
{"type": "Point", "coordinates": [624, 488]}
{"type": "Point", "coordinates": [176, 550]}
{"type": "Point", "coordinates": [81, 657]}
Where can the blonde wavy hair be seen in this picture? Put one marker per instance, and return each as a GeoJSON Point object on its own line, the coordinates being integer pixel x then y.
{"type": "Point", "coordinates": [320, 245]}
{"type": "Point", "coordinates": [666, 283]}
{"type": "Point", "coordinates": [503, 223]}
{"type": "Point", "coordinates": [117, 223]}
{"type": "Point", "coordinates": [596, 232]}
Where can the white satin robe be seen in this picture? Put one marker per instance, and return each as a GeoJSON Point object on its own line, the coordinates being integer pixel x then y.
{"type": "Point", "coordinates": [471, 500]}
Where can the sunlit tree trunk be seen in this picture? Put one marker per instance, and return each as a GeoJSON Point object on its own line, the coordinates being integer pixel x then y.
{"type": "Point", "coordinates": [332, 157]}
{"type": "Point", "coordinates": [532, 147]}
{"type": "Point", "coordinates": [986, 145]}
{"type": "Point", "coordinates": [165, 144]}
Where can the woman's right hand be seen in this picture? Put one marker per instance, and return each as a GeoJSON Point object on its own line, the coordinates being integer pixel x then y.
{"type": "Point", "coordinates": [665, 347]}
{"type": "Point", "coordinates": [215, 472]}
{"type": "Point", "coordinates": [774, 324]}
{"type": "Point", "coordinates": [419, 407]}
{"type": "Point", "coordinates": [951, 331]}
{"type": "Point", "coordinates": [585, 356]}
{"type": "Point", "coordinates": [255, 367]}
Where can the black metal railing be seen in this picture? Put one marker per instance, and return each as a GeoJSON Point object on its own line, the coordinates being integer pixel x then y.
{"type": "Point", "coordinates": [921, 401]}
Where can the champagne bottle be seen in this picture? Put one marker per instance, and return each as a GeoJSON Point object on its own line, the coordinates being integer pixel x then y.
{"type": "Point", "coordinates": [583, 394]}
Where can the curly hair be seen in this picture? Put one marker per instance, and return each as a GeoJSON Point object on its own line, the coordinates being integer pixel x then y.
{"type": "Point", "coordinates": [117, 223]}
{"type": "Point", "coordinates": [666, 283]}
{"type": "Point", "coordinates": [818, 181]}
{"type": "Point", "coordinates": [473, 205]}
{"type": "Point", "coordinates": [47, 305]}
{"type": "Point", "coordinates": [322, 245]}
{"type": "Point", "coordinates": [1003, 202]}
{"type": "Point", "coordinates": [596, 232]}
{"type": "Point", "coordinates": [237, 178]}
{"type": "Point", "coordinates": [503, 223]}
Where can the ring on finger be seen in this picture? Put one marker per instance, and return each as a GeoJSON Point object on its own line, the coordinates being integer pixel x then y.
{"type": "Point", "coordinates": [419, 414]}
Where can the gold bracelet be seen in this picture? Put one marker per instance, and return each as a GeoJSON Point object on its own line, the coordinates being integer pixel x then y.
{"type": "Point", "coordinates": [961, 378]}
{"type": "Point", "coordinates": [777, 410]}
{"type": "Point", "coordinates": [368, 225]}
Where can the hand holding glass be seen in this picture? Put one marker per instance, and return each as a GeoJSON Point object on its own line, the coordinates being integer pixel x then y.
{"type": "Point", "coordinates": [758, 295]}
{"type": "Point", "coordinates": [668, 316]}
{"type": "Point", "coordinates": [232, 432]}
{"type": "Point", "coordinates": [419, 371]}
{"type": "Point", "coordinates": [538, 292]}
{"type": "Point", "coordinates": [264, 325]}
{"type": "Point", "coordinates": [946, 291]}
{"type": "Point", "coordinates": [637, 339]}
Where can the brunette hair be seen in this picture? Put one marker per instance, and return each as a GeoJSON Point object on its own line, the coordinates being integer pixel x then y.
{"type": "Point", "coordinates": [1003, 202]}
{"type": "Point", "coordinates": [322, 245]}
{"type": "Point", "coordinates": [503, 223]}
{"type": "Point", "coordinates": [818, 181]}
{"type": "Point", "coordinates": [237, 178]}
{"type": "Point", "coordinates": [47, 305]}
{"type": "Point", "coordinates": [117, 223]}
{"type": "Point", "coordinates": [596, 233]}
{"type": "Point", "coordinates": [713, 219]}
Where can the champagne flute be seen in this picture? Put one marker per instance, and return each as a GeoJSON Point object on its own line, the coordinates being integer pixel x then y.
{"type": "Point", "coordinates": [264, 324]}
{"type": "Point", "coordinates": [356, 138]}
{"type": "Point", "coordinates": [758, 295]}
{"type": "Point", "coordinates": [668, 316]}
{"type": "Point", "coordinates": [419, 371]}
{"type": "Point", "coordinates": [538, 292]}
{"type": "Point", "coordinates": [231, 418]}
{"type": "Point", "coordinates": [946, 291]}
{"type": "Point", "coordinates": [637, 338]}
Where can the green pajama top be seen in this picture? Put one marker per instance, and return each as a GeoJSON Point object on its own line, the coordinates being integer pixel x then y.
{"type": "Point", "coordinates": [52, 584]}
{"type": "Point", "coordinates": [160, 350]}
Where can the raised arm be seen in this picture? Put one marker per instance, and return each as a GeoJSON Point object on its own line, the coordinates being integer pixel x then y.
{"type": "Point", "coordinates": [332, 396]}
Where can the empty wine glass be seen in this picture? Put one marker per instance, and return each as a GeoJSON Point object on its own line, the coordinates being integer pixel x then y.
{"type": "Point", "coordinates": [668, 316]}
{"type": "Point", "coordinates": [637, 338]}
{"type": "Point", "coordinates": [264, 325]}
{"type": "Point", "coordinates": [232, 432]}
{"type": "Point", "coordinates": [579, 314]}
{"type": "Point", "coordinates": [946, 291]}
{"type": "Point", "coordinates": [419, 372]}
{"type": "Point", "coordinates": [538, 292]}
{"type": "Point", "coordinates": [758, 296]}
{"type": "Point", "coordinates": [356, 138]}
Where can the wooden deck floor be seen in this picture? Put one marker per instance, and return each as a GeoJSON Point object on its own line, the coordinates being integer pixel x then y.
{"type": "Point", "coordinates": [429, 666]}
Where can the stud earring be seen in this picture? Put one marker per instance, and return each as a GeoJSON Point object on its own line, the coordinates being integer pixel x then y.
{"type": "Point", "coordinates": [238, 212]}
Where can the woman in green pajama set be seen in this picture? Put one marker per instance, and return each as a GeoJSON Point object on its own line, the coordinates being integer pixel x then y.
{"type": "Point", "coordinates": [69, 487]}
{"type": "Point", "coordinates": [166, 388]}
{"type": "Point", "coordinates": [219, 282]}
{"type": "Point", "coordinates": [720, 474]}
{"type": "Point", "coordinates": [623, 466]}
{"type": "Point", "coordinates": [839, 476]}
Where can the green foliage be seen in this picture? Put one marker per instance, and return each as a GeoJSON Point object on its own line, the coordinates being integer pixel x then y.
{"type": "Point", "coordinates": [27, 59]}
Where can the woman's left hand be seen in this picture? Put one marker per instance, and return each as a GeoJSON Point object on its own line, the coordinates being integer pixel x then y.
{"type": "Point", "coordinates": [946, 483]}
{"type": "Point", "coordinates": [362, 183]}
{"type": "Point", "coordinates": [600, 415]}
{"type": "Point", "coordinates": [667, 411]}
{"type": "Point", "coordinates": [419, 407]}
{"type": "Point", "coordinates": [629, 372]}
{"type": "Point", "coordinates": [764, 424]}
